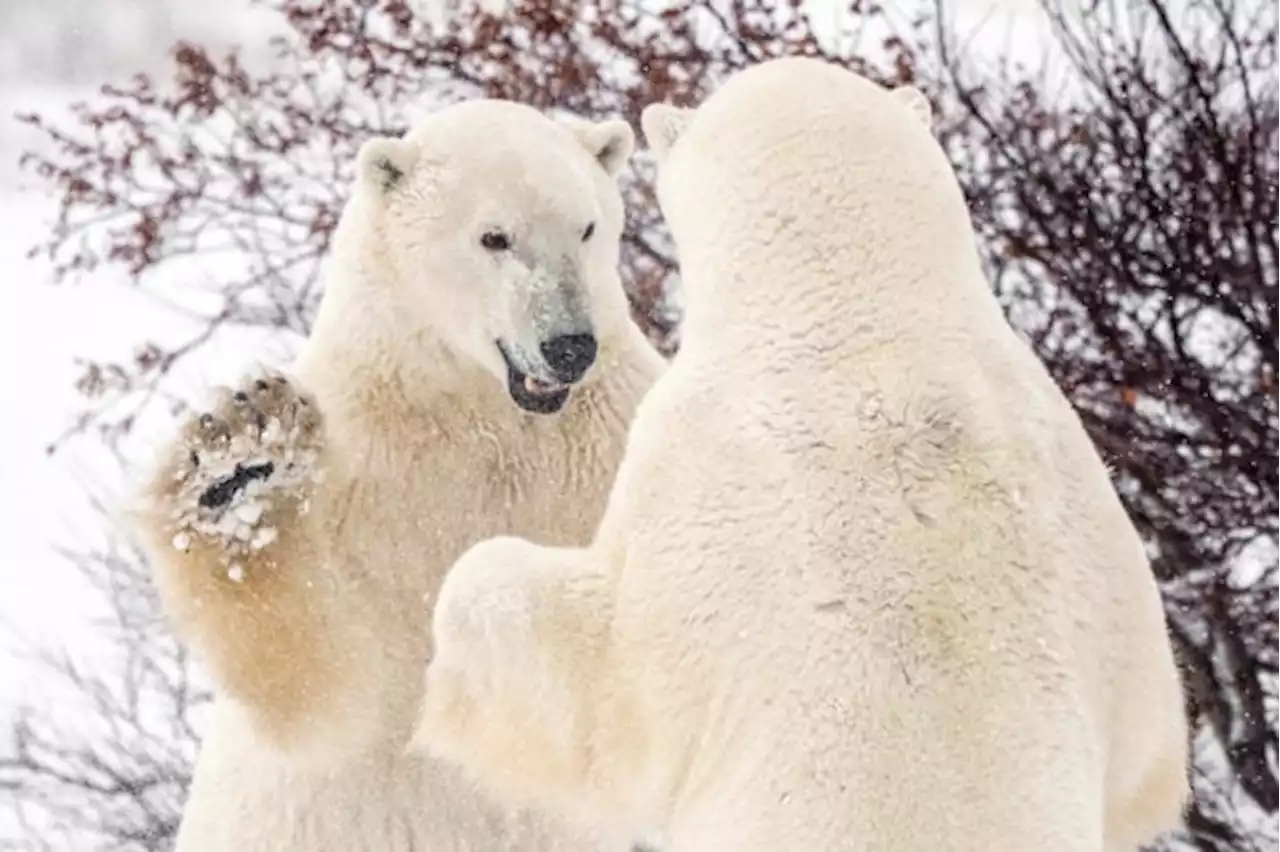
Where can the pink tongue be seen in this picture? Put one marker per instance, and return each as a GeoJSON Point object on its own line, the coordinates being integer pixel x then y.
{"type": "Point", "coordinates": [532, 385]}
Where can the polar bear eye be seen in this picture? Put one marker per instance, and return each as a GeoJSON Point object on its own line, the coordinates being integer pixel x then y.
{"type": "Point", "coordinates": [588, 231]}
{"type": "Point", "coordinates": [495, 241]}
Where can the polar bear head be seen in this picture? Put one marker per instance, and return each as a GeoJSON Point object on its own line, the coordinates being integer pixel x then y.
{"type": "Point", "coordinates": [777, 120]}
{"type": "Point", "coordinates": [497, 231]}
{"type": "Point", "coordinates": [798, 173]}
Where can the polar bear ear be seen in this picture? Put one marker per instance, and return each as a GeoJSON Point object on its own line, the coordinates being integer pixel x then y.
{"type": "Point", "coordinates": [610, 142]}
{"type": "Point", "coordinates": [662, 125]}
{"type": "Point", "coordinates": [916, 101]}
{"type": "Point", "coordinates": [383, 162]}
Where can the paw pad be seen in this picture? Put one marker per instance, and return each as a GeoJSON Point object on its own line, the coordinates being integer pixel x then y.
{"type": "Point", "coordinates": [220, 493]}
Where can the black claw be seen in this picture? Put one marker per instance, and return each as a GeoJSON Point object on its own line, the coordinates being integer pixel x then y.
{"type": "Point", "coordinates": [195, 459]}
{"type": "Point", "coordinates": [220, 493]}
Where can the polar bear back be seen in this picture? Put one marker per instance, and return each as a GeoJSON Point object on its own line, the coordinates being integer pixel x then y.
{"type": "Point", "coordinates": [859, 500]}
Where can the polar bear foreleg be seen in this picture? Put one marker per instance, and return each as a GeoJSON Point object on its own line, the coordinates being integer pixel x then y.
{"type": "Point", "coordinates": [519, 631]}
{"type": "Point", "coordinates": [225, 522]}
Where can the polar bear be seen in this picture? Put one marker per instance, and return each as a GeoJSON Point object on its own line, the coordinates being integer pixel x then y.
{"type": "Point", "coordinates": [472, 370]}
{"type": "Point", "coordinates": [862, 582]}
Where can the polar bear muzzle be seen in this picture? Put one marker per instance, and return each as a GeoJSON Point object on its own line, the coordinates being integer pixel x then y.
{"type": "Point", "coordinates": [569, 356]}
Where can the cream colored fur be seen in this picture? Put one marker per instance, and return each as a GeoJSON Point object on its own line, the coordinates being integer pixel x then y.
{"type": "Point", "coordinates": [406, 447]}
{"type": "Point", "coordinates": [862, 583]}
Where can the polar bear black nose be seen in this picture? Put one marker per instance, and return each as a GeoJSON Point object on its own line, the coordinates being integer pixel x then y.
{"type": "Point", "coordinates": [570, 356]}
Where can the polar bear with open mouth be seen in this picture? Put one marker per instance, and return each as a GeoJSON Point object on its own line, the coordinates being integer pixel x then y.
{"type": "Point", "coordinates": [473, 370]}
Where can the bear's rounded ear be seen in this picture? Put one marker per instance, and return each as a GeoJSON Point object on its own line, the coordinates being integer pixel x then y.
{"type": "Point", "coordinates": [610, 142]}
{"type": "Point", "coordinates": [662, 125]}
{"type": "Point", "coordinates": [916, 101]}
{"type": "Point", "coordinates": [383, 162]}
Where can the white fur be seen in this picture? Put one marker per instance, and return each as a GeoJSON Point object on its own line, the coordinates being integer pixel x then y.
{"type": "Point", "coordinates": [862, 583]}
{"type": "Point", "coordinates": [317, 638]}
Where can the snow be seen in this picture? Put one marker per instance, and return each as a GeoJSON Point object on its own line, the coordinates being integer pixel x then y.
{"type": "Point", "coordinates": [41, 329]}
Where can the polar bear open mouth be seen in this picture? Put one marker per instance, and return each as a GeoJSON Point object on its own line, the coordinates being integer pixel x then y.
{"type": "Point", "coordinates": [532, 394]}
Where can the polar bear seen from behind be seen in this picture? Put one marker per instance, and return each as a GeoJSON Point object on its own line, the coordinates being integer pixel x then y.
{"type": "Point", "coordinates": [862, 582]}
{"type": "Point", "coordinates": [473, 370]}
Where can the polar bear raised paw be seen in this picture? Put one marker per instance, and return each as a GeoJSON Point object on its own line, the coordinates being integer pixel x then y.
{"type": "Point", "coordinates": [243, 464]}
